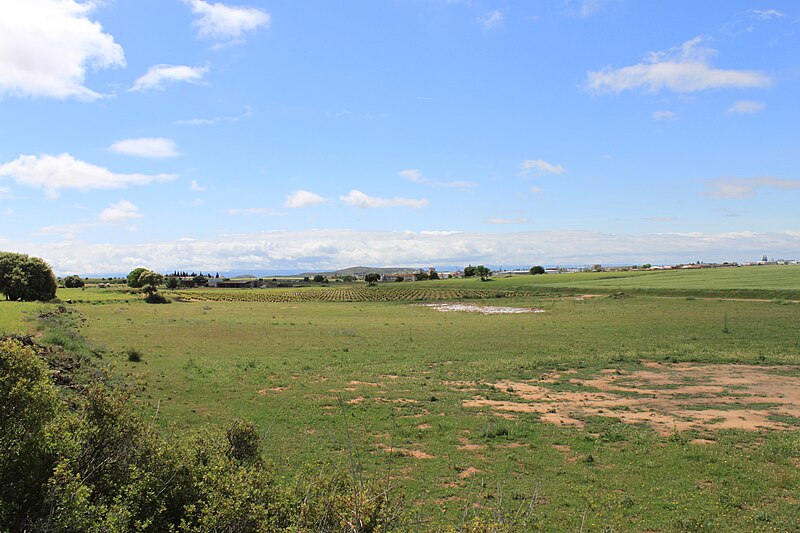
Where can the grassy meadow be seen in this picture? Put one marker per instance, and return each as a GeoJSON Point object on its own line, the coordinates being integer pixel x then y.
{"type": "Point", "coordinates": [387, 382]}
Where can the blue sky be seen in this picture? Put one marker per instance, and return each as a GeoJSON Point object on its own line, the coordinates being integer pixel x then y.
{"type": "Point", "coordinates": [186, 134]}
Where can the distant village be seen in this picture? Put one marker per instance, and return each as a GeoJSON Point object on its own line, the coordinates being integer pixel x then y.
{"type": "Point", "coordinates": [385, 275]}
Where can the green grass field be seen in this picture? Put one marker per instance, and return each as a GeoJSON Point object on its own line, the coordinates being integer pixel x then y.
{"type": "Point", "coordinates": [405, 374]}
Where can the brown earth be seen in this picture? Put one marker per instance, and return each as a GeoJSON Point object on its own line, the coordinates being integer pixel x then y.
{"type": "Point", "coordinates": [667, 397]}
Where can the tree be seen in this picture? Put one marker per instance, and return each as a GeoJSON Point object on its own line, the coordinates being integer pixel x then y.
{"type": "Point", "coordinates": [319, 278]}
{"type": "Point", "coordinates": [537, 270]}
{"type": "Point", "coordinates": [470, 271]}
{"type": "Point", "coordinates": [372, 278]}
{"type": "Point", "coordinates": [73, 282]}
{"type": "Point", "coordinates": [133, 277]}
{"type": "Point", "coordinates": [433, 274]}
{"type": "Point", "coordinates": [597, 268]}
{"type": "Point", "coordinates": [200, 281]}
{"type": "Point", "coordinates": [399, 278]}
{"type": "Point", "coordinates": [172, 282]}
{"type": "Point", "coordinates": [483, 272]}
{"type": "Point", "coordinates": [421, 276]}
{"type": "Point", "coordinates": [27, 278]}
{"type": "Point", "coordinates": [148, 277]}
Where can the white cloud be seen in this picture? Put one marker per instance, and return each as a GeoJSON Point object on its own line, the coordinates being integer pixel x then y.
{"type": "Point", "coordinates": [359, 199]}
{"type": "Point", "coordinates": [492, 20]}
{"type": "Point", "coordinates": [304, 250]}
{"type": "Point", "coordinates": [301, 198]}
{"type": "Point", "coordinates": [153, 147]}
{"type": "Point", "coordinates": [747, 187]}
{"type": "Point", "coordinates": [507, 221]}
{"type": "Point", "coordinates": [220, 21]}
{"type": "Point", "coordinates": [122, 210]}
{"type": "Point", "coordinates": [541, 166]}
{"type": "Point", "coordinates": [684, 69]}
{"type": "Point", "coordinates": [248, 113]}
{"type": "Point", "coordinates": [112, 215]}
{"type": "Point", "coordinates": [196, 187]}
{"type": "Point", "coordinates": [47, 47]}
{"type": "Point", "coordinates": [664, 115]}
{"type": "Point", "coordinates": [416, 176]}
{"type": "Point", "coordinates": [745, 107]}
{"type": "Point", "coordinates": [766, 14]}
{"type": "Point", "coordinates": [158, 76]}
{"type": "Point", "coordinates": [54, 173]}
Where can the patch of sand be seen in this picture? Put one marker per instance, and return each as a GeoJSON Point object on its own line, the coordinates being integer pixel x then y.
{"type": "Point", "coordinates": [469, 471]}
{"type": "Point", "coordinates": [482, 309]}
{"type": "Point", "coordinates": [667, 397]}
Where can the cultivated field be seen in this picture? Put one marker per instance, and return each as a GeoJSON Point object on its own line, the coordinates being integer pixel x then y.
{"type": "Point", "coordinates": [628, 411]}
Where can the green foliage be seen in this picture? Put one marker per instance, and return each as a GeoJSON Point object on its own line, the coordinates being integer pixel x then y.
{"type": "Point", "coordinates": [319, 278]}
{"type": "Point", "coordinates": [421, 276]}
{"type": "Point", "coordinates": [133, 277]}
{"type": "Point", "coordinates": [81, 459]}
{"type": "Point", "coordinates": [537, 270]}
{"type": "Point", "coordinates": [154, 297]}
{"type": "Point", "coordinates": [26, 278]}
{"type": "Point", "coordinates": [200, 281]}
{"type": "Point", "coordinates": [433, 274]}
{"type": "Point", "coordinates": [73, 282]}
{"type": "Point", "coordinates": [372, 278]}
{"type": "Point", "coordinates": [483, 272]}
{"type": "Point", "coordinates": [148, 277]}
{"type": "Point", "coordinates": [172, 282]}
{"type": "Point", "coordinates": [470, 271]}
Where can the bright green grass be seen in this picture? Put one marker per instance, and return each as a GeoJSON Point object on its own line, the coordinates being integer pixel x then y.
{"type": "Point", "coordinates": [284, 365]}
{"type": "Point", "coordinates": [13, 316]}
{"type": "Point", "coordinates": [747, 281]}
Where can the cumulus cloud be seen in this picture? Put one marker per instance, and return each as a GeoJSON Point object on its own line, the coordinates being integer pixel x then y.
{"type": "Point", "coordinates": [684, 69]}
{"type": "Point", "coordinates": [747, 187]}
{"type": "Point", "coordinates": [121, 211]}
{"type": "Point", "coordinates": [302, 198]}
{"type": "Point", "coordinates": [158, 76]}
{"type": "Point", "coordinates": [153, 147]}
{"type": "Point", "coordinates": [114, 214]}
{"type": "Point", "coordinates": [492, 20]}
{"type": "Point", "coordinates": [359, 199]}
{"type": "Point", "coordinates": [47, 47]}
{"type": "Point", "coordinates": [416, 176]}
{"type": "Point", "coordinates": [222, 22]}
{"type": "Point", "coordinates": [664, 115]}
{"type": "Point", "coordinates": [540, 166]}
{"type": "Point", "coordinates": [304, 250]}
{"type": "Point", "coordinates": [745, 107]}
{"type": "Point", "coordinates": [54, 173]}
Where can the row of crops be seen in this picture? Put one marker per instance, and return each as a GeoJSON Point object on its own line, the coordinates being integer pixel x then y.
{"type": "Point", "coordinates": [344, 294]}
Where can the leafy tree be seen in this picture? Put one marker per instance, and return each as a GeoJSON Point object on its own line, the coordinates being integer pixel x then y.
{"type": "Point", "coordinates": [597, 268]}
{"type": "Point", "coordinates": [23, 277]}
{"type": "Point", "coordinates": [200, 280]}
{"type": "Point", "coordinates": [421, 276]}
{"type": "Point", "coordinates": [433, 274]}
{"type": "Point", "coordinates": [399, 278]}
{"type": "Point", "coordinates": [148, 277]}
{"type": "Point", "coordinates": [470, 271]}
{"type": "Point", "coordinates": [73, 282]}
{"type": "Point", "coordinates": [372, 278]}
{"type": "Point", "coordinates": [348, 278]}
{"type": "Point", "coordinates": [172, 282]}
{"type": "Point", "coordinates": [319, 278]}
{"type": "Point", "coordinates": [483, 272]}
{"type": "Point", "coordinates": [306, 279]}
{"type": "Point", "coordinates": [133, 277]}
{"type": "Point", "coordinates": [537, 270]}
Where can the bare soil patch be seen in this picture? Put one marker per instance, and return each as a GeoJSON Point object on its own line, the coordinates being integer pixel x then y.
{"type": "Point", "coordinates": [667, 397]}
{"type": "Point", "coordinates": [482, 309]}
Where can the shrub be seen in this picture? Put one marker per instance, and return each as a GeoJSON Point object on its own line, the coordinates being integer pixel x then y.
{"type": "Point", "coordinates": [134, 355]}
{"type": "Point", "coordinates": [27, 278]}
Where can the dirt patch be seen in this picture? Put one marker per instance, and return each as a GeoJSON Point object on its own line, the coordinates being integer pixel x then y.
{"type": "Point", "coordinates": [469, 471]}
{"type": "Point", "coordinates": [405, 452]}
{"type": "Point", "coordinates": [667, 397]}
{"type": "Point", "coordinates": [482, 309]}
